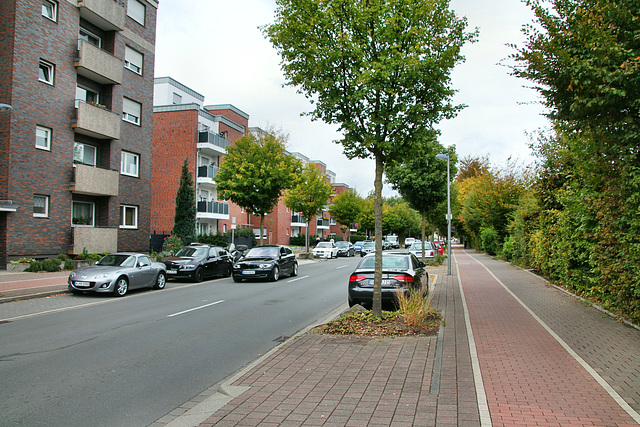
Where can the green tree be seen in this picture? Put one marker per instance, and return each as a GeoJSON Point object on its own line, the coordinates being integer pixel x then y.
{"type": "Point", "coordinates": [255, 172]}
{"type": "Point", "coordinates": [184, 224]}
{"type": "Point", "coordinates": [345, 208]}
{"type": "Point", "coordinates": [380, 69]}
{"type": "Point", "coordinates": [309, 195]}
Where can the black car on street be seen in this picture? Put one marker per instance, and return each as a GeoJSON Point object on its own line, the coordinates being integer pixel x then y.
{"type": "Point", "coordinates": [199, 262]}
{"type": "Point", "coordinates": [266, 262]}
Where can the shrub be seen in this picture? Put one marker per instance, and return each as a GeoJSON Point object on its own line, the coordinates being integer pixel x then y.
{"type": "Point", "coordinates": [62, 257]}
{"type": "Point", "coordinates": [489, 239]}
{"type": "Point", "coordinates": [34, 267]}
{"type": "Point", "coordinates": [508, 247]}
{"type": "Point", "coordinates": [414, 307]}
{"type": "Point", "coordinates": [69, 265]}
{"type": "Point", "coordinates": [172, 244]}
{"type": "Point", "coordinates": [51, 265]}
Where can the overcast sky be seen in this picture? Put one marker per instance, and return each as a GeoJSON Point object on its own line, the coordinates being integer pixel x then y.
{"type": "Point", "coordinates": [216, 48]}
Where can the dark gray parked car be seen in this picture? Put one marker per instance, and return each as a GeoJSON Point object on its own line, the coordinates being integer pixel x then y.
{"type": "Point", "coordinates": [198, 262]}
{"type": "Point", "coordinates": [266, 262]}
{"type": "Point", "coordinates": [118, 273]}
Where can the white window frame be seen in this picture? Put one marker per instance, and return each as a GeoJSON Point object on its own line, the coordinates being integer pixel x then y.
{"type": "Point", "coordinates": [136, 11]}
{"type": "Point", "coordinates": [50, 10]}
{"type": "Point", "coordinates": [43, 134]}
{"type": "Point", "coordinates": [47, 69]}
{"type": "Point", "coordinates": [133, 60]}
{"type": "Point", "coordinates": [177, 98]}
{"type": "Point", "coordinates": [123, 216]}
{"type": "Point", "coordinates": [93, 213]}
{"type": "Point", "coordinates": [86, 35]}
{"type": "Point", "coordinates": [131, 111]}
{"type": "Point", "coordinates": [44, 214]}
{"type": "Point", "coordinates": [80, 148]}
{"type": "Point", "coordinates": [125, 165]}
{"type": "Point", "coordinates": [83, 94]}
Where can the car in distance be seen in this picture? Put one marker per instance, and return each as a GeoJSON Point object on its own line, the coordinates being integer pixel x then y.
{"type": "Point", "coordinates": [416, 249]}
{"type": "Point", "coordinates": [401, 271]}
{"type": "Point", "coordinates": [408, 241]}
{"type": "Point", "coordinates": [368, 248]}
{"type": "Point", "coordinates": [266, 262]}
{"type": "Point", "coordinates": [198, 262]}
{"type": "Point", "coordinates": [325, 250]}
{"type": "Point", "coordinates": [345, 249]}
{"type": "Point", "coordinates": [118, 273]}
{"type": "Point", "coordinates": [357, 246]}
{"type": "Point", "coordinates": [394, 243]}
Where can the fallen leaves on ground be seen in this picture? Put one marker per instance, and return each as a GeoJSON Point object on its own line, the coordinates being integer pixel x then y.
{"type": "Point", "coordinates": [392, 324]}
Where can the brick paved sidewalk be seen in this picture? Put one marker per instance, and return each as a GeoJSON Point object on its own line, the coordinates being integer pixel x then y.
{"type": "Point", "coordinates": [530, 378]}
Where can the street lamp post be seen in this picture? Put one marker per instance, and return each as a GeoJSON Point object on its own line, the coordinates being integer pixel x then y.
{"type": "Point", "coordinates": [446, 157]}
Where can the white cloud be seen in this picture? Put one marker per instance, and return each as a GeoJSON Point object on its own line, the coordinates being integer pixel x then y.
{"type": "Point", "coordinates": [216, 48]}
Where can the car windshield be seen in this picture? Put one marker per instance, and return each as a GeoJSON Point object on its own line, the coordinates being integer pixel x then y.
{"type": "Point", "coordinates": [388, 263]}
{"type": "Point", "coordinates": [263, 252]}
{"type": "Point", "coordinates": [369, 245]}
{"type": "Point", "coordinates": [360, 243]}
{"type": "Point", "coordinates": [118, 261]}
{"type": "Point", "coordinates": [323, 245]}
{"type": "Point", "coordinates": [418, 246]}
{"type": "Point", "coordinates": [192, 252]}
{"type": "Point", "coordinates": [342, 244]}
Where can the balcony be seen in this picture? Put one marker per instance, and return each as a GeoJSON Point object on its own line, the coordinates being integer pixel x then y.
{"type": "Point", "coordinates": [298, 221]}
{"type": "Point", "coordinates": [94, 240]}
{"type": "Point", "coordinates": [212, 210]}
{"type": "Point", "coordinates": [99, 65]}
{"type": "Point", "coordinates": [212, 143]}
{"type": "Point", "coordinates": [206, 174]}
{"type": "Point", "coordinates": [95, 181]}
{"type": "Point", "coordinates": [110, 15]}
{"type": "Point", "coordinates": [322, 224]}
{"type": "Point", "coordinates": [97, 122]}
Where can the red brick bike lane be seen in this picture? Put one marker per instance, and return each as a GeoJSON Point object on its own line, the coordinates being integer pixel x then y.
{"type": "Point", "coordinates": [529, 378]}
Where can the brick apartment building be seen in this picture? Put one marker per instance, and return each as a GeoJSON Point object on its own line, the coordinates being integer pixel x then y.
{"type": "Point", "coordinates": [75, 158]}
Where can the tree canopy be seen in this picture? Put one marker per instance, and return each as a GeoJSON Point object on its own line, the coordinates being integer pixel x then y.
{"type": "Point", "coordinates": [380, 69]}
{"type": "Point", "coordinates": [184, 225]}
{"type": "Point", "coordinates": [345, 208]}
{"type": "Point", "coordinates": [255, 172]}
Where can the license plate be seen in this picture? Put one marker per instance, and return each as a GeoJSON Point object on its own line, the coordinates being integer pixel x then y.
{"type": "Point", "coordinates": [82, 284]}
{"type": "Point", "coordinates": [248, 272]}
{"type": "Point", "coordinates": [172, 271]}
{"type": "Point", "coordinates": [384, 282]}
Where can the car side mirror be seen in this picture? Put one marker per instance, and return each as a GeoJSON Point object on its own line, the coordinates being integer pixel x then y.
{"type": "Point", "coordinates": [423, 264]}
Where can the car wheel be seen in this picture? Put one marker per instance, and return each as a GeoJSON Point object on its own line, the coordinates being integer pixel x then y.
{"type": "Point", "coordinates": [294, 270]}
{"type": "Point", "coordinates": [122, 286]}
{"type": "Point", "coordinates": [352, 302]}
{"type": "Point", "coordinates": [237, 278]}
{"type": "Point", "coordinates": [275, 274]}
{"type": "Point", "coordinates": [227, 272]}
{"type": "Point", "coordinates": [161, 281]}
{"type": "Point", "coordinates": [198, 276]}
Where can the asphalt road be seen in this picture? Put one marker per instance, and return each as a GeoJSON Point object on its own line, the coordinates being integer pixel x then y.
{"type": "Point", "coordinates": [104, 361]}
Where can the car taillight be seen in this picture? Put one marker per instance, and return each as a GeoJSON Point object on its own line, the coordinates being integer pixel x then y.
{"type": "Point", "coordinates": [356, 278]}
{"type": "Point", "coordinates": [404, 279]}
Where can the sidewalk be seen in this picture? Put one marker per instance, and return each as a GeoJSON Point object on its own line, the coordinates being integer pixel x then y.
{"type": "Point", "coordinates": [512, 351]}
{"type": "Point", "coordinates": [15, 286]}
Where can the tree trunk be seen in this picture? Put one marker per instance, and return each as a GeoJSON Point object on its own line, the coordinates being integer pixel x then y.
{"type": "Point", "coordinates": [260, 242]}
{"type": "Point", "coordinates": [377, 211]}
{"type": "Point", "coordinates": [424, 222]}
{"type": "Point", "coordinates": [306, 238]}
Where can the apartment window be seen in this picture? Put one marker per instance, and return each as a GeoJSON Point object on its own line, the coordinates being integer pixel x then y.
{"type": "Point", "coordinates": [128, 216]}
{"type": "Point", "coordinates": [133, 60]}
{"type": "Point", "coordinates": [89, 37]}
{"type": "Point", "coordinates": [82, 213]}
{"type": "Point", "coordinates": [50, 9]}
{"type": "Point", "coordinates": [136, 11]}
{"type": "Point", "coordinates": [87, 95]}
{"type": "Point", "coordinates": [85, 154]}
{"type": "Point", "coordinates": [130, 164]}
{"type": "Point", "coordinates": [131, 111]}
{"type": "Point", "coordinates": [177, 98]}
{"type": "Point", "coordinates": [46, 71]}
{"type": "Point", "coordinates": [40, 205]}
{"type": "Point", "coordinates": [43, 138]}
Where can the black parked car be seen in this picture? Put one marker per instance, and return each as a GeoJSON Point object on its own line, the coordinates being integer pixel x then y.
{"type": "Point", "coordinates": [401, 271]}
{"type": "Point", "coordinates": [197, 262]}
{"type": "Point", "coordinates": [345, 249]}
{"type": "Point", "coordinates": [266, 262]}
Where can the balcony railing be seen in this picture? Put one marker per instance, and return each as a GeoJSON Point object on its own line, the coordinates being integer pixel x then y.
{"type": "Point", "coordinates": [214, 207]}
{"type": "Point", "coordinates": [97, 121]}
{"type": "Point", "coordinates": [322, 223]}
{"type": "Point", "coordinates": [297, 219]}
{"type": "Point", "coordinates": [213, 142]}
{"type": "Point", "coordinates": [109, 15]}
{"type": "Point", "coordinates": [207, 171]}
{"type": "Point", "coordinates": [95, 181]}
{"type": "Point", "coordinates": [98, 64]}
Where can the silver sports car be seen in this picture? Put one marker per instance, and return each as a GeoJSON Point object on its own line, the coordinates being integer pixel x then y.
{"type": "Point", "coordinates": [117, 273]}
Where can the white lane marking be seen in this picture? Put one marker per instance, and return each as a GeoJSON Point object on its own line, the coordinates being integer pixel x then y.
{"type": "Point", "coordinates": [297, 278]}
{"type": "Point", "coordinates": [481, 394]}
{"type": "Point", "coordinates": [605, 385]}
{"type": "Point", "coordinates": [195, 308]}
{"type": "Point", "coordinates": [342, 266]}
